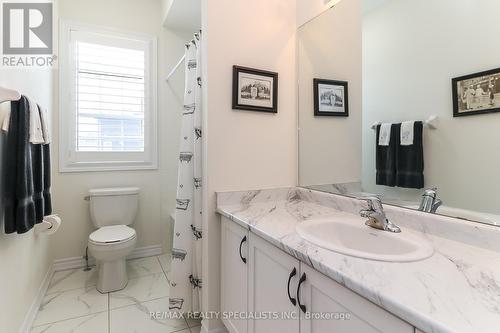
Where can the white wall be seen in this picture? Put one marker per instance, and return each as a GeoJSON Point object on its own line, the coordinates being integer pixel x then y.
{"type": "Point", "coordinates": [24, 258]}
{"type": "Point", "coordinates": [245, 150]}
{"type": "Point", "coordinates": [329, 47]}
{"type": "Point", "coordinates": [412, 50]}
{"type": "Point", "coordinates": [157, 186]}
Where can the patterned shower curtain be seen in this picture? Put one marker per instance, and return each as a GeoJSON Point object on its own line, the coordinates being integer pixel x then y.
{"type": "Point", "coordinates": [185, 277]}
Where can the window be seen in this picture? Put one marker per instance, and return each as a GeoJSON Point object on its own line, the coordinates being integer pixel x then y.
{"type": "Point", "coordinates": [108, 100]}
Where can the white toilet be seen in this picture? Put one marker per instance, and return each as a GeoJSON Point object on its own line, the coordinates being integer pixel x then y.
{"type": "Point", "coordinates": [112, 210]}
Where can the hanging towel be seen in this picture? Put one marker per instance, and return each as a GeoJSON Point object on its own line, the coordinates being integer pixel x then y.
{"type": "Point", "coordinates": [386, 157]}
{"type": "Point", "coordinates": [36, 129]}
{"type": "Point", "coordinates": [37, 160]}
{"type": "Point", "coordinates": [19, 205]}
{"type": "Point", "coordinates": [407, 133]}
{"type": "Point", "coordinates": [410, 161]}
{"type": "Point", "coordinates": [6, 119]}
{"type": "Point", "coordinates": [45, 125]}
{"type": "Point", "coordinates": [47, 197]}
{"type": "Point", "coordinates": [384, 137]}
{"type": "Point", "coordinates": [41, 181]}
{"type": "Point", "coordinates": [27, 172]}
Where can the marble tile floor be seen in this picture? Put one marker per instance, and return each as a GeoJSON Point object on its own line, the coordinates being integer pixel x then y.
{"type": "Point", "coordinates": [72, 303]}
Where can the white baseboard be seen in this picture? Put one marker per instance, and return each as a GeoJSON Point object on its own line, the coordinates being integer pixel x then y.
{"type": "Point", "coordinates": [146, 251]}
{"type": "Point", "coordinates": [204, 329]}
{"type": "Point", "coordinates": [72, 263]}
{"type": "Point", "coordinates": [33, 310]}
{"type": "Point", "coordinates": [79, 262]}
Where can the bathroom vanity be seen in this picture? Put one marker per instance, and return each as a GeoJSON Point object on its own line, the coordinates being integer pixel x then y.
{"type": "Point", "coordinates": [268, 268]}
{"type": "Point", "coordinates": [256, 282]}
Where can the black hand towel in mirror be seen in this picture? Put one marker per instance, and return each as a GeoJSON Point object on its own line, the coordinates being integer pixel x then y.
{"type": "Point", "coordinates": [410, 160]}
{"type": "Point", "coordinates": [386, 158]}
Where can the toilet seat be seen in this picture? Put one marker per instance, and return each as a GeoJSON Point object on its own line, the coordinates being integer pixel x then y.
{"type": "Point", "coordinates": [114, 234]}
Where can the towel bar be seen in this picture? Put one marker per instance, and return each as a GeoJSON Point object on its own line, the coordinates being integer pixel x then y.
{"type": "Point", "coordinates": [430, 123]}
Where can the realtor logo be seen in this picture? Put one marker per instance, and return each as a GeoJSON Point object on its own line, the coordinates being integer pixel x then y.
{"type": "Point", "coordinates": [27, 28]}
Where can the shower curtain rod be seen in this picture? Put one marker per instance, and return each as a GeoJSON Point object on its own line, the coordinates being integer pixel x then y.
{"type": "Point", "coordinates": [175, 68]}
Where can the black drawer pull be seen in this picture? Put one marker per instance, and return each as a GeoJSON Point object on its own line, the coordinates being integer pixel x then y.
{"type": "Point", "coordinates": [292, 274]}
{"type": "Point", "coordinates": [241, 244]}
{"type": "Point", "coordinates": [302, 279]}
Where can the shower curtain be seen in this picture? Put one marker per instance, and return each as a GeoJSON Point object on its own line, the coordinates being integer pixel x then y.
{"type": "Point", "coordinates": [185, 280]}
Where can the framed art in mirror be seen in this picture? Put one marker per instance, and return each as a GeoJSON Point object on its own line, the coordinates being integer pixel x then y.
{"type": "Point", "coordinates": [255, 90]}
{"type": "Point", "coordinates": [476, 93]}
{"type": "Point", "coordinates": [331, 98]}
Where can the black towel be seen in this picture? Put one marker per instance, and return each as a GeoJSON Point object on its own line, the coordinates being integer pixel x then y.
{"type": "Point", "coordinates": [47, 198]}
{"type": "Point", "coordinates": [410, 160]}
{"type": "Point", "coordinates": [19, 204]}
{"type": "Point", "coordinates": [386, 158]}
{"type": "Point", "coordinates": [41, 180]}
{"type": "Point", "coordinates": [27, 172]}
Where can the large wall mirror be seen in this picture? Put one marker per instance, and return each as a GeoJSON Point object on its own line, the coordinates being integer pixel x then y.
{"type": "Point", "coordinates": [423, 97]}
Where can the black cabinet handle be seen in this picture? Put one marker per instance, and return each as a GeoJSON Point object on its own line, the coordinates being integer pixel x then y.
{"type": "Point", "coordinates": [241, 244]}
{"type": "Point", "coordinates": [292, 274]}
{"type": "Point", "coordinates": [302, 279]}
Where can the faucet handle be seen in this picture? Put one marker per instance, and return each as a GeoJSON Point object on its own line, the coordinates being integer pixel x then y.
{"type": "Point", "coordinates": [431, 192]}
{"type": "Point", "coordinates": [436, 205]}
{"type": "Point", "coordinates": [374, 203]}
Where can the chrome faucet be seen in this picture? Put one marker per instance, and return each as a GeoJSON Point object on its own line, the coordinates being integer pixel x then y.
{"type": "Point", "coordinates": [376, 216]}
{"type": "Point", "coordinates": [430, 202]}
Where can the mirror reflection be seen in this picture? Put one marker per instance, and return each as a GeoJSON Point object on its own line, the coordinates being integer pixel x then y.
{"type": "Point", "coordinates": [421, 129]}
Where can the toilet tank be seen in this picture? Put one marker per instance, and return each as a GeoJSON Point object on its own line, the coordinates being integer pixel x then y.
{"type": "Point", "coordinates": [113, 206]}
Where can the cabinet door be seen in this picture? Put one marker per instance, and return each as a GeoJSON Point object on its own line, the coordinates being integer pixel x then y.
{"type": "Point", "coordinates": [270, 271]}
{"type": "Point", "coordinates": [234, 274]}
{"type": "Point", "coordinates": [322, 295]}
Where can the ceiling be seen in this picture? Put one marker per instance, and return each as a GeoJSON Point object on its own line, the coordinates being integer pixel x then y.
{"type": "Point", "coordinates": [371, 5]}
{"type": "Point", "coordinates": [183, 15]}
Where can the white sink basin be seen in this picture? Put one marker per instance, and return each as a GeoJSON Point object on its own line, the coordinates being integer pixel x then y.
{"type": "Point", "coordinates": [347, 234]}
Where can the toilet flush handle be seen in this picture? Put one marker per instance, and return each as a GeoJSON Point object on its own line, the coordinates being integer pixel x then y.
{"type": "Point", "coordinates": [86, 198]}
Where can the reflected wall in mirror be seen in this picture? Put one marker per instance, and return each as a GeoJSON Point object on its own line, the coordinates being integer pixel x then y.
{"type": "Point", "coordinates": [411, 51]}
{"type": "Point", "coordinates": [329, 48]}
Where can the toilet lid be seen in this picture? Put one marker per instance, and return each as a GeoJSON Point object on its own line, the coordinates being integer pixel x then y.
{"type": "Point", "coordinates": [112, 234]}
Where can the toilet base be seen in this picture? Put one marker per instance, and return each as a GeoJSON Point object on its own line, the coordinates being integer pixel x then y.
{"type": "Point", "coordinates": [112, 276]}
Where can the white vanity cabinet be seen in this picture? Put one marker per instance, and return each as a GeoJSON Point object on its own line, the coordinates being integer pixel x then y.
{"type": "Point", "coordinates": [351, 312]}
{"type": "Point", "coordinates": [272, 285]}
{"type": "Point", "coordinates": [234, 274]}
{"type": "Point", "coordinates": [260, 279]}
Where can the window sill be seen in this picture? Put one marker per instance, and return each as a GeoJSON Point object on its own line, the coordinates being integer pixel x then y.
{"type": "Point", "coordinates": [102, 167]}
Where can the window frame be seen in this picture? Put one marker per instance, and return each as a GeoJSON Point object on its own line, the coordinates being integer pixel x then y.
{"type": "Point", "coordinates": [70, 160]}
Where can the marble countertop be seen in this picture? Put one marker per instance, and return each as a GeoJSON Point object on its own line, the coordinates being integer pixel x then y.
{"type": "Point", "coordinates": [457, 290]}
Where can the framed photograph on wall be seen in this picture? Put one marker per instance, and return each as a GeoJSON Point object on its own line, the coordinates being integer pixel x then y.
{"type": "Point", "coordinates": [255, 90]}
{"type": "Point", "coordinates": [331, 98]}
{"type": "Point", "coordinates": [476, 93]}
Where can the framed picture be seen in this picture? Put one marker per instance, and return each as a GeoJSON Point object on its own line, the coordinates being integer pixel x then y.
{"type": "Point", "coordinates": [476, 93]}
{"type": "Point", "coordinates": [331, 98]}
{"type": "Point", "coordinates": [255, 90]}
